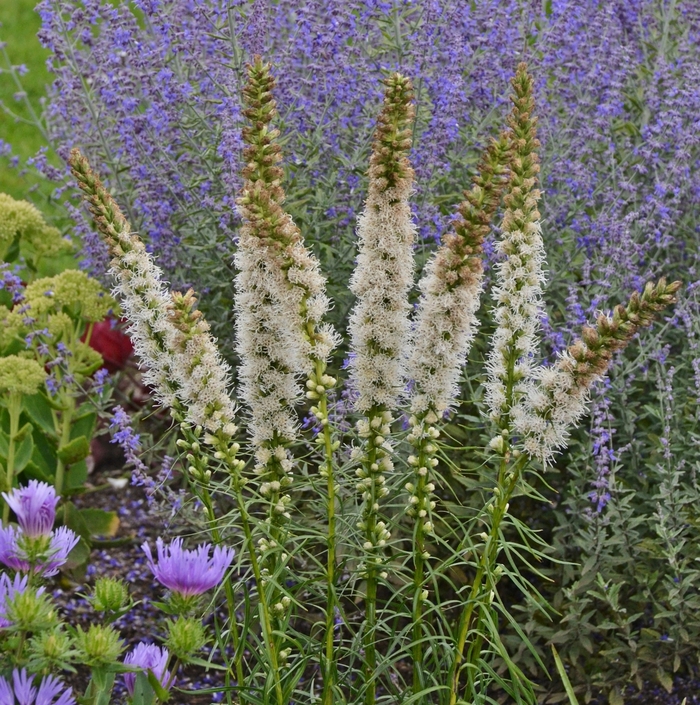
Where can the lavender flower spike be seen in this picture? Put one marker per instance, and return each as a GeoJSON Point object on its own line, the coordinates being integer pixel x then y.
{"type": "Point", "coordinates": [35, 507]}
{"type": "Point", "coordinates": [149, 657]}
{"type": "Point", "coordinates": [188, 573]}
{"type": "Point", "coordinates": [23, 692]}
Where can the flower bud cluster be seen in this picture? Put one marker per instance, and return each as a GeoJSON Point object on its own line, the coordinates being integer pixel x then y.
{"type": "Point", "coordinates": [376, 462]}
{"type": "Point", "coordinates": [423, 437]}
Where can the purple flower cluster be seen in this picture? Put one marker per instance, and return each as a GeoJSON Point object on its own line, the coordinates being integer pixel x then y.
{"type": "Point", "coordinates": [22, 691]}
{"type": "Point", "coordinates": [34, 546]}
{"type": "Point", "coordinates": [150, 658]}
{"type": "Point", "coordinates": [188, 572]}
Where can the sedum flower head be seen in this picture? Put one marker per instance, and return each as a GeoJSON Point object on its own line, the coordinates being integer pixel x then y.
{"type": "Point", "coordinates": [42, 555]}
{"type": "Point", "coordinates": [71, 291]}
{"type": "Point", "coordinates": [519, 275]}
{"type": "Point", "coordinates": [556, 397]}
{"type": "Point", "coordinates": [20, 690]}
{"type": "Point", "coordinates": [446, 317]}
{"type": "Point", "coordinates": [21, 218]}
{"type": "Point", "coordinates": [148, 657]}
{"type": "Point", "coordinates": [20, 375]}
{"type": "Point", "coordinates": [34, 506]}
{"type": "Point", "coordinates": [384, 273]}
{"type": "Point", "coordinates": [188, 572]}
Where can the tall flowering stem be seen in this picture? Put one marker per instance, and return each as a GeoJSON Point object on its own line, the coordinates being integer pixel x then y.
{"type": "Point", "coordinates": [518, 295]}
{"type": "Point", "coordinates": [281, 303]}
{"type": "Point", "coordinates": [182, 363]}
{"type": "Point", "coordinates": [444, 328]}
{"type": "Point", "coordinates": [379, 326]}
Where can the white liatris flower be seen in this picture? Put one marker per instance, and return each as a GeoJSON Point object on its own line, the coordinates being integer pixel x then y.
{"type": "Point", "coordinates": [557, 395]}
{"type": "Point", "coordinates": [270, 353]}
{"type": "Point", "coordinates": [519, 275]}
{"type": "Point", "coordinates": [383, 276]}
{"type": "Point", "coordinates": [144, 297]}
{"type": "Point", "coordinates": [451, 287]}
{"type": "Point", "coordinates": [172, 341]}
{"type": "Point", "coordinates": [202, 374]}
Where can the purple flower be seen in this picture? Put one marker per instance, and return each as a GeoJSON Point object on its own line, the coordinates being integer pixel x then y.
{"type": "Point", "coordinates": [8, 590]}
{"type": "Point", "coordinates": [149, 657]}
{"type": "Point", "coordinates": [186, 572]}
{"type": "Point", "coordinates": [35, 507]}
{"type": "Point", "coordinates": [16, 551]}
{"type": "Point", "coordinates": [23, 692]}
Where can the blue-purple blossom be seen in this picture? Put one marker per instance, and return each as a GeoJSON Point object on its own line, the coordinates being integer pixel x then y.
{"type": "Point", "coordinates": [22, 691]}
{"type": "Point", "coordinates": [14, 550]}
{"type": "Point", "coordinates": [188, 572]}
{"type": "Point", "coordinates": [127, 438]}
{"type": "Point", "coordinates": [148, 657]}
{"type": "Point", "coordinates": [100, 380]}
{"type": "Point", "coordinates": [34, 506]}
{"type": "Point", "coordinates": [10, 281]}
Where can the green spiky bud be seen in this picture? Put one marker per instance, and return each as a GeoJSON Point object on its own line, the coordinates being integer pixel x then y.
{"type": "Point", "coordinates": [30, 611]}
{"type": "Point", "coordinates": [99, 645]}
{"type": "Point", "coordinates": [110, 595]}
{"type": "Point", "coordinates": [51, 650]}
{"type": "Point", "coordinates": [185, 637]}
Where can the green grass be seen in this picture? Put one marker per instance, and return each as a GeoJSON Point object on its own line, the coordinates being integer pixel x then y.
{"type": "Point", "coordinates": [19, 28]}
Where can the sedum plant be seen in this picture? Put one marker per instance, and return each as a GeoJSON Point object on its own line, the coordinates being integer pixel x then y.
{"type": "Point", "coordinates": [337, 602]}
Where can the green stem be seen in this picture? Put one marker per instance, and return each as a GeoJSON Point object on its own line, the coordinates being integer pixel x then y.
{"type": "Point", "coordinates": [478, 596]}
{"type": "Point", "coordinates": [15, 409]}
{"type": "Point", "coordinates": [329, 663]}
{"type": "Point", "coordinates": [423, 461]}
{"type": "Point", "coordinates": [66, 420]}
{"type": "Point", "coordinates": [370, 531]}
{"type": "Point", "coordinates": [230, 598]}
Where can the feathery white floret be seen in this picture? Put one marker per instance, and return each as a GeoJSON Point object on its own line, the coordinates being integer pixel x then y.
{"type": "Point", "coordinates": [379, 324]}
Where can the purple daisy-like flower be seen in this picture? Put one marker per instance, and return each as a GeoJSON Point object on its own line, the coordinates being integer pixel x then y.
{"type": "Point", "coordinates": [188, 573]}
{"type": "Point", "coordinates": [148, 657]}
{"type": "Point", "coordinates": [35, 507]}
{"type": "Point", "coordinates": [14, 553]}
{"type": "Point", "coordinates": [22, 691]}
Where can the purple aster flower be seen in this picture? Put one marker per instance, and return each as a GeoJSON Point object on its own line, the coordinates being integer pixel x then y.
{"type": "Point", "coordinates": [23, 692]}
{"type": "Point", "coordinates": [149, 657]}
{"type": "Point", "coordinates": [186, 572]}
{"type": "Point", "coordinates": [15, 551]}
{"type": "Point", "coordinates": [35, 507]}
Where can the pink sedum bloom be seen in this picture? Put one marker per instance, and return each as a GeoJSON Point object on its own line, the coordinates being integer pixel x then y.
{"type": "Point", "coordinates": [35, 507]}
{"type": "Point", "coordinates": [185, 572]}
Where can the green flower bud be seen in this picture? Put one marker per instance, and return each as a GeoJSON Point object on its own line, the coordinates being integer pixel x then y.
{"type": "Point", "coordinates": [110, 595]}
{"type": "Point", "coordinates": [185, 637]}
{"type": "Point", "coordinates": [30, 612]}
{"type": "Point", "coordinates": [21, 375]}
{"type": "Point", "coordinates": [51, 650]}
{"type": "Point", "coordinates": [99, 645]}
